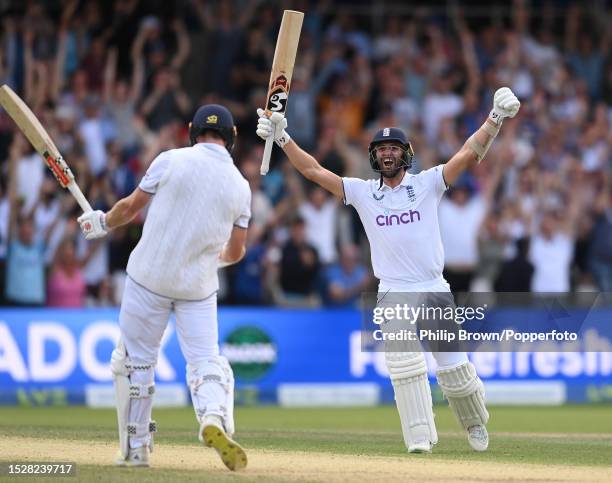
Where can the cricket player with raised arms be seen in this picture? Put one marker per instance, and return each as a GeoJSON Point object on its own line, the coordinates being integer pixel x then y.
{"type": "Point", "coordinates": [196, 222]}
{"type": "Point", "coordinates": [399, 212]}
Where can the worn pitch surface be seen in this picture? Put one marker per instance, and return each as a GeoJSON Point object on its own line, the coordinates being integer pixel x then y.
{"type": "Point", "coordinates": [569, 443]}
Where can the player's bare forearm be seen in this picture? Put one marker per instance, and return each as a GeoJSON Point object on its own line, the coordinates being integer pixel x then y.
{"type": "Point", "coordinates": [306, 164]}
{"type": "Point", "coordinates": [230, 257]}
{"type": "Point", "coordinates": [466, 157]}
{"type": "Point", "coordinates": [310, 168]}
{"type": "Point", "coordinates": [120, 214]}
{"type": "Point", "coordinates": [235, 248]}
{"type": "Point", "coordinates": [126, 209]}
{"type": "Point", "coordinates": [505, 104]}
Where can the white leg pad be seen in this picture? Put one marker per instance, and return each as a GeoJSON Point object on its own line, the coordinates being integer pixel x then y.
{"type": "Point", "coordinates": [211, 383]}
{"type": "Point", "coordinates": [465, 393]}
{"type": "Point", "coordinates": [408, 372]}
{"type": "Point", "coordinates": [135, 429]}
{"type": "Point", "coordinates": [141, 391]}
{"type": "Point", "coordinates": [126, 392]}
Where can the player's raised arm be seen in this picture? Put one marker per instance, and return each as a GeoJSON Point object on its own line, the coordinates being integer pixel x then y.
{"type": "Point", "coordinates": [302, 161]}
{"type": "Point", "coordinates": [505, 104]}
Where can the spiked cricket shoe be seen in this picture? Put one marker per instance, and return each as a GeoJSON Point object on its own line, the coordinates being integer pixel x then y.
{"type": "Point", "coordinates": [213, 435]}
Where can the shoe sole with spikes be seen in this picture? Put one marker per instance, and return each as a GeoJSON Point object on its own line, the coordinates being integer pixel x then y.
{"type": "Point", "coordinates": [230, 452]}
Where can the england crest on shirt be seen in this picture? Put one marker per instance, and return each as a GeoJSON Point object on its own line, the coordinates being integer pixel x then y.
{"type": "Point", "coordinates": [410, 193]}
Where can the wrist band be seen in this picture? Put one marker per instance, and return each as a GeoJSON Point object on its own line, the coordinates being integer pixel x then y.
{"type": "Point", "coordinates": [283, 139]}
{"type": "Point", "coordinates": [496, 118]}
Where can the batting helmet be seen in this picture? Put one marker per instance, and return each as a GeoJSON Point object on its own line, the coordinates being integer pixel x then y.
{"type": "Point", "coordinates": [391, 134]}
{"type": "Point", "coordinates": [213, 117]}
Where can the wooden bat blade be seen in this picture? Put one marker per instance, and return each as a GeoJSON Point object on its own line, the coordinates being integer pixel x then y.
{"type": "Point", "coordinates": [284, 61]}
{"type": "Point", "coordinates": [26, 120]}
{"type": "Point", "coordinates": [33, 130]}
{"type": "Point", "coordinates": [282, 72]}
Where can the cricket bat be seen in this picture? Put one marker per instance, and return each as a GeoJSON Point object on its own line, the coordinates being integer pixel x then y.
{"type": "Point", "coordinates": [282, 70]}
{"type": "Point", "coordinates": [39, 138]}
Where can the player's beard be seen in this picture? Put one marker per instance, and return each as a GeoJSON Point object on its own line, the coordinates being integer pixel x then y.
{"type": "Point", "coordinates": [391, 170]}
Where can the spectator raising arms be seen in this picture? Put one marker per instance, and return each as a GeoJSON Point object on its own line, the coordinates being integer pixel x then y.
{"type": "Point", "coordinates": [114, 84]}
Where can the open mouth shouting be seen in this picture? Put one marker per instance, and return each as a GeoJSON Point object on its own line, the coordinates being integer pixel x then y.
{"type": "Point", "coordinates": [389, 163]}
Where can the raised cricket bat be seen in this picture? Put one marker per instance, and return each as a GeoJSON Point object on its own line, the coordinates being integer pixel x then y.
{"type": "Point", "coordinates": [282, 70]}
{"type": "Point", "coordinates": [39, 138]}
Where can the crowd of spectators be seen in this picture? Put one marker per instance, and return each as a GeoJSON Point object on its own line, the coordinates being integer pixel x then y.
{"type": "Point", "coordinates": [115, 83]}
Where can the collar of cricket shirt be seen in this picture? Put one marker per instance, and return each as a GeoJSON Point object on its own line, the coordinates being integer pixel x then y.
{"type": "Point", "coordinates": [405, 181]}
{"type": "Point", "coordinates": [217, 148]}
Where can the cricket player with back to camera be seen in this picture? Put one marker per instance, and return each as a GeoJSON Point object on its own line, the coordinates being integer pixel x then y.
{"type": "Point", "coordinates": [197, 221]}
{"type": "Point", "coordinates": [407, 256]}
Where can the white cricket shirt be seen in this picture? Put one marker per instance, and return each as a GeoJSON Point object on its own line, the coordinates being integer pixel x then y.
{"type": "Point", "coordinates": [552, 260]}
{"type": "Point", "coordinates": [402, 227]}
{"type": "Point", "coordinates": [460, 225]}
{"type": "Point", "coordinates": [321, 228]}
{"type": "Point", "coordinates": [199, 196]}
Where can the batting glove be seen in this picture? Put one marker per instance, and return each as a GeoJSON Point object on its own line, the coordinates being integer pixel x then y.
{"type": "Point", "coordinates": [505, 104]}
{"type": "Point", "coordinates": [93, 224]}
{"type": "Point", "coordinates": [276, 124]}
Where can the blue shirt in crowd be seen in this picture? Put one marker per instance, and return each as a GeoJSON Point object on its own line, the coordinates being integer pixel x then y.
{"type": "Point", "coordinates": [336, 275]}
{"type": "Point", "coordinates": [25, 277]}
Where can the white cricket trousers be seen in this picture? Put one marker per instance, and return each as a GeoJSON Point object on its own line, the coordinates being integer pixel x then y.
{"type": "Point", "coordinates": [444, 360]}
{"type": "Point", "coordinates": [143, 318]}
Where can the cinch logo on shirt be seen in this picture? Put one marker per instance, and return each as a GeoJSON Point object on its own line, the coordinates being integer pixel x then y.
{"type": "Point", "coordinates": [401, 219]}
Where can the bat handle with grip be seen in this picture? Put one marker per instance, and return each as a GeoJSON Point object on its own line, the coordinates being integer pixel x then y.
{"type": "Point", "coordinates": [78, 195]}
{"type": "Point", "coordinates": [265, 160]}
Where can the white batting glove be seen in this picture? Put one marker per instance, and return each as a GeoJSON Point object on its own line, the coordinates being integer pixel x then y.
{"type": "Point", "coordinates": [93, 224]}
{"type": "Point", "coordinates": [276, 124]}
{"type": "Point", "coordinates": [505, 104]}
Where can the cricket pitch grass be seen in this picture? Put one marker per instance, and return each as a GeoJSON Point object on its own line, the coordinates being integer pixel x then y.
{"type": "Point", "coordinates": [566, 443]}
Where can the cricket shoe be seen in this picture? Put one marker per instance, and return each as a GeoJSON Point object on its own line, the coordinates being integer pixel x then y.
{"type": "Point", "coordinates": [478, 437]}
{"type": "Point", "coordinates": [213, 435]}
{"type": "Point", "coordinates": [420, 447]}
{"type": "Point", "coordinates": [137, 457]}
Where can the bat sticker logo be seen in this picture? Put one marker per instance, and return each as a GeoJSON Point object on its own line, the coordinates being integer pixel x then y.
{"type": "Point", "coordinates": [59, 168]}
{"type": "Point", "coordinates": [277, 101]}
{"type": "Point", "coordinates": [281, 81]}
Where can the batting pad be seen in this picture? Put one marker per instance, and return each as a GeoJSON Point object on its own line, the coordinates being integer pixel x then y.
{"type": "Point", "coordinates": [134, 389]}
{"type": "Point", "coordinates": [465, 393]}
{"type": "Point", "coordinates": [408, 373]}
{"type": "Point", "coordinates": [211, 383]}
